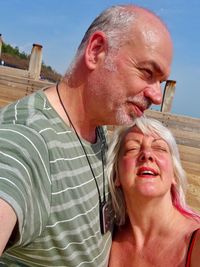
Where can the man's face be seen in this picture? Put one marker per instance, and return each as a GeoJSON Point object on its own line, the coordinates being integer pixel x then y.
{"type": "Point", "coordinates": [128, 80]}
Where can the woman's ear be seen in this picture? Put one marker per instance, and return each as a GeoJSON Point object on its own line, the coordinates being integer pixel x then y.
{"type": "Point", "coordinates": [96, 49]}
{"type": "Point", "coordinates": [174, 181]}
{"type": "Point", "coordinates": [117, 180]}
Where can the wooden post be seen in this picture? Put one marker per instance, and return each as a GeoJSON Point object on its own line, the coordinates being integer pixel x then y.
{"type": "Point", "coordinates": [35, 62]}
{"type": "Point", "coordinates": [168, 96]}
{"type": "Point", "coordinates": [1, 43]}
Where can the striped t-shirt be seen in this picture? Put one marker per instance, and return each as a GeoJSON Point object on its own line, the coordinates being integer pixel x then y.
{"type": "Point", "coordinates": [45, 177]}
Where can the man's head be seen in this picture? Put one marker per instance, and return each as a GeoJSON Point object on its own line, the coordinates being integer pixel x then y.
{"type": "Point", "coordinates": [124, 56]}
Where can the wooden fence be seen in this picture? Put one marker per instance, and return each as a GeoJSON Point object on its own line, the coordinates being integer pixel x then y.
{"type": "Point", "coordinates": [13, 87]}
{"type": "Point", "coordinates": [15, 83]}
{"type": "Point", "coordinates": [187, 133]}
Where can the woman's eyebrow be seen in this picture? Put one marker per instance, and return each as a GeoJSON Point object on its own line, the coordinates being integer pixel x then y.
{"type": "Point", "coordinates": [159, 139]}
{"type": "Point", "coordinates": [132, 139]}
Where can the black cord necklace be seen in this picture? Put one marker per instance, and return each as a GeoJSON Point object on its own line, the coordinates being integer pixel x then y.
{"type": "Point", "coordinates": [106, 212]}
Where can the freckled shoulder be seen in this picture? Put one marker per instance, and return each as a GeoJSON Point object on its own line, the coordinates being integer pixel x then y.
{"type": "Point", "coordinates": [195, 259]}
{"type": "Point", "coordinates": [114, 255]}
{"type": "Point", "coordinates": [122, 249]}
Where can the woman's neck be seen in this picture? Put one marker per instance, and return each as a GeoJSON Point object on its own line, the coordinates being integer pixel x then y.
{"type": "Point", "coordinates": [154, 217]}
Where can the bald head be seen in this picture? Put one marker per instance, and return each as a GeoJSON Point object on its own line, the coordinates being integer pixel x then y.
{"type": "Point", "coordinates": [117, 21]}
{"type": "Point", "coordinates": [120, 23]}
{"type": "Point", "coordinates": [124, 56]}
{"type": "Point", "coordinates": [149, 24]}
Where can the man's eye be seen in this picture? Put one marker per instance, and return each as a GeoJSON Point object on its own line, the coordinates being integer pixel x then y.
{"type": "Point", "coordinates": [147, 72]}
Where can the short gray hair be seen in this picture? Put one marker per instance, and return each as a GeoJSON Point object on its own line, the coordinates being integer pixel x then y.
{"type": "Point", "coordinates": [115, 22]}
{"type": "Point", "coordinates": [147, 126]}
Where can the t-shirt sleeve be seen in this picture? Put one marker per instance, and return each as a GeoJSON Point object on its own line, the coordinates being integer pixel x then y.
{"type": "Point", "coordinates": [25, 180]}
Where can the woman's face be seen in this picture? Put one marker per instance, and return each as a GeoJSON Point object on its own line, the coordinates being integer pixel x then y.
{"type": "Point", "coordinates": [145, 165]}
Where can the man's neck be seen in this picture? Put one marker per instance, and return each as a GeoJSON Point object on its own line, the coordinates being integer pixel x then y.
{"type": "Point", "coordinates": [69, 104]}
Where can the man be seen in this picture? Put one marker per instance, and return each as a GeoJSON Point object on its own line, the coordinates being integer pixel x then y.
{"type": "Point", "coordinates": [53, 191]}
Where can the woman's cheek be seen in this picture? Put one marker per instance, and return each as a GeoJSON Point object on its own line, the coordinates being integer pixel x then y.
{"type": "Point", "coordinates": [127, 166]}
{"type": "Point", "coordinates": [164, 162]}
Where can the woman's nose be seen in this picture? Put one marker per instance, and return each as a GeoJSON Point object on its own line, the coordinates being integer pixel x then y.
{"type": "Point", "coordinates": [146, 155]}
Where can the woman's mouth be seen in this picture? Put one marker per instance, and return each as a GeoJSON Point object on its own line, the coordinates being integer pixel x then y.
{"type": "Point", "coordinates": [147, 172]}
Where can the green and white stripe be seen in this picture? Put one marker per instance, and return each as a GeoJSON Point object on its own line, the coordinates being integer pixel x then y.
{"type": "Point", "coordinates": [45, 177]}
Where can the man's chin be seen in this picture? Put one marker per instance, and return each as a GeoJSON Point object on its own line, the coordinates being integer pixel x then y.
{"type": "Point", "coordinates": [126, 119]}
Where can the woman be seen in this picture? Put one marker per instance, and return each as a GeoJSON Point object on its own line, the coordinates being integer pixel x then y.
{"type": "Point", "coordinates": [154, 226]}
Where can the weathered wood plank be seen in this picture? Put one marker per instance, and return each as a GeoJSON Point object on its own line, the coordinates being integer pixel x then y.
{"type": "Point", "coordinates": [13, 88]}
{"type": "Point", "coordinates": [174, 119]}
{"type": "Point", "coordinates": [187, 133]}
{"type": "Point", "coordinates": [168, 96]}
{"type": "Point", "coordinates": [8, 79]}
{"type": "Point", "coordinates": [191, 167]}
{"type": "Point", "coordinates": [4, 70]}
{"type": "Point", "coordinates": [4, 102]}
{"type": "Point", "coordinates": [190, 154]}
{"type": "Point", "coordinates": [193, 192]}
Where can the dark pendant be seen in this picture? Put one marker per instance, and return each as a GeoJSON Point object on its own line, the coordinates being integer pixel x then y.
{"type": "Point", "coordinates": [106, 217]}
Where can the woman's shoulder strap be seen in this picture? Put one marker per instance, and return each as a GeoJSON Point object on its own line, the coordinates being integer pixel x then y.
{"type": "Point", "coordinates": [190, 247]}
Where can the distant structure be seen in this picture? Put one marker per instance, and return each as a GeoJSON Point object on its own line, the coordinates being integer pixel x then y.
{"type": "Point", "coordinates": [35, 62]}
{"type": "Point", "coordinates": [16, 83]}
{"type": "Point", "coordinates": [1, 43]}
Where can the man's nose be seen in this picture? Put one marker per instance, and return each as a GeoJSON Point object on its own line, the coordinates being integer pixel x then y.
{"type": "Point", "coordinates": [154, 93]}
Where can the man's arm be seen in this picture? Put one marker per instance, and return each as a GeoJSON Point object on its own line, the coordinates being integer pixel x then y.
{"type": "Point", "coordinates": [8, 220]}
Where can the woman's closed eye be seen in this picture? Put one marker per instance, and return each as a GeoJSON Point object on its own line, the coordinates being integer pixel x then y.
{"type": "Point", "coordinates": [160, 148]}
{"type": "Point", "coordinates": [132, 149]}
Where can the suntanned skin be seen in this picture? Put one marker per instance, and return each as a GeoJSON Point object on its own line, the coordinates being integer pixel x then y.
{"type": "Point", "coordinates": [156, 233]}
{"type": "Point", "coordinates": [8, 220]}
{"type": "Point", "coordinates": [195, 259]}
{"type": "Point", "coordinates": [96, 95]}
{"type": "Point", "coordinates": [171, 250]}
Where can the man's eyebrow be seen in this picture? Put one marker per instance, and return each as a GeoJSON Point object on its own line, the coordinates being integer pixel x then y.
{"type": "Point", "coordinates": [155, 66]}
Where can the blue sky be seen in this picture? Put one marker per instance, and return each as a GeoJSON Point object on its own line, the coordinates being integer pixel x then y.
{"type": "Point", "coordinates": [59, 27]}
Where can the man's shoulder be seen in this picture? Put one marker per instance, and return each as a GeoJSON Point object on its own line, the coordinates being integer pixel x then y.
{"type": "Point", "coordinates": [24, 110]}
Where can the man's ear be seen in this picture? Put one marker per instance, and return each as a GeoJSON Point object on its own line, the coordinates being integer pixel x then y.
{"type": "Point", "coordinates": [96, 49]}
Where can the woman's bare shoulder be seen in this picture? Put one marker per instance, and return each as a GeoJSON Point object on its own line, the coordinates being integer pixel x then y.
{"type": "Point", "coordinates": [121, 249]}
{"type": "Point", "coordinates": [195, 259]}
